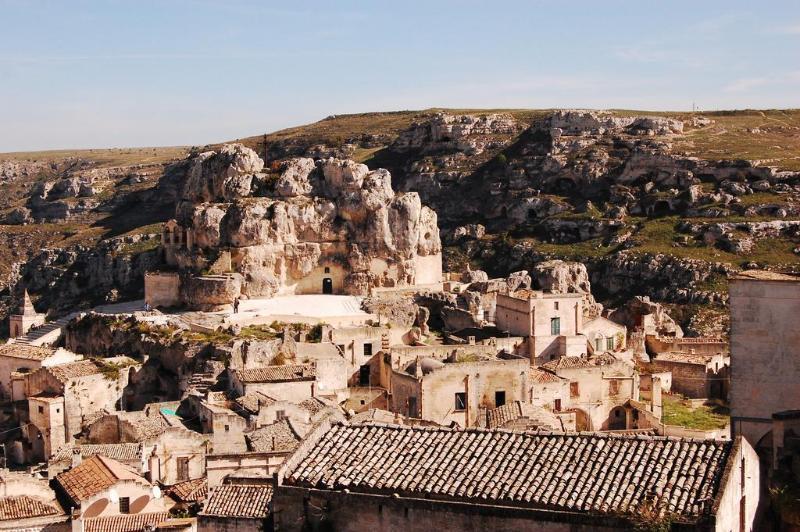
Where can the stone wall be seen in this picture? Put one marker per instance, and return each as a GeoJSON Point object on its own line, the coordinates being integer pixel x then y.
{"type": "Point", "coordinates": [765, 353]}
{"type": "Point", "coordinates": [356, 512]}
{"type": "Point", "coordinates": [689, 380]}
{"type": "Point", "coordinates": [162, 289]}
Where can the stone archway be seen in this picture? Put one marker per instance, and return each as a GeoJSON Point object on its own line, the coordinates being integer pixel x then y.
{"type": "Point", "coordinates": [617, 418]}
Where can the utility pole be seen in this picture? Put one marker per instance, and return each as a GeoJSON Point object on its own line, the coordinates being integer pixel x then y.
{"type": "Point", "coordinates": [265, 148]}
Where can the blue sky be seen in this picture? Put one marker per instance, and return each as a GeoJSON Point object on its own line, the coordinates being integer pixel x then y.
{"type": "Point", "coordinates": [178, 72]}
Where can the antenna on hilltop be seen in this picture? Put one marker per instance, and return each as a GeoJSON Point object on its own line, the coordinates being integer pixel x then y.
{"type": "Point", "coordinates": [694, 107]}
{"type": "Point", "coordinates": [265, 148]}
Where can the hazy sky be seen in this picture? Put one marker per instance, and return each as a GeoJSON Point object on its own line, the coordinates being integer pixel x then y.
{"type": "Point", "coordinates": [140, 73]}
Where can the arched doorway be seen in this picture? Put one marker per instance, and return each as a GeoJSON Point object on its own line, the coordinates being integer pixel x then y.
{"type": "Point", "coordinates": [327, 285]}
{"type": "Point", "coordinates": [617, 419]}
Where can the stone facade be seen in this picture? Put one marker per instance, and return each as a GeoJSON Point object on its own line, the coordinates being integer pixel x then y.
{"type": "Point", "coordinates": [765, 363]}
{"type": "Point", "coordinates": [551, 322]}
{"type": "Point", "coordinates": [25, 318]}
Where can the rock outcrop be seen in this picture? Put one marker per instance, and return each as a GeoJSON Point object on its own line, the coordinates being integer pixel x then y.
{"type": "Point", "coordinates": [330, 219]}
{"type": "Point", "coordinates": [567, 278]}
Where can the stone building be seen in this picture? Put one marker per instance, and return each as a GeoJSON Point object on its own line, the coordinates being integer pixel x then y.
{"type": "Point", "coordinates": [129, 454]}
{"type": "Point", "coordinates": [61, 398]}
{"type": "Point", "coordinates": [388, 477]}
{"type": "Point", "coordinates": [765, 352]}
{"type": "Point", "coordinates": [18, 359]}
{"type": "Point", "coordinates": [100, 487]}
{"type": "Point", "coordinates": [604, 335]}
{"type": "Point", "coordinates": [551, 322]}
{"type": "Point", "coordinates": [599, 386]}
{"type": "Point", "coordinates": [696, 375]}
{"type": "Point", "coordinates": [27, 504]}
{"type": "Point", "coordinates": [25, 318]}
{"type": "Point", "coordinates": [455, 388]}
{"type": "Point", "coordinates": [325, 377]}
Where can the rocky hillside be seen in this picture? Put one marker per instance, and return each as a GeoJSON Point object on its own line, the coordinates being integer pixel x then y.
{"type": "Point", "coordinates": [655, 204]}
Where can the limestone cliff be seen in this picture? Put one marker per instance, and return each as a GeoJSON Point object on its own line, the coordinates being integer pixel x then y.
{"type": "Point", "coordinates": [288, 231]}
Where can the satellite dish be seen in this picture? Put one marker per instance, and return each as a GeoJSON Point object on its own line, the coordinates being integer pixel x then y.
{"type": "Point", "coordinates": [156, 492]}
{"type": "Point", "coordinates": [113, 496]}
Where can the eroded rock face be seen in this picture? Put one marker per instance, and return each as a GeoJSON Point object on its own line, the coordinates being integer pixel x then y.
{"type": "Point", "coordinates": [651, 316]}
{"type": "Point", "coordinates": [567, 278]}
{"type": "Point", "coordinates": [330, 218]}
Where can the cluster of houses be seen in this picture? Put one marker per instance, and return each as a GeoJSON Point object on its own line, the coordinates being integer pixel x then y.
{"type": "Point", "coordinates": [553, 417]}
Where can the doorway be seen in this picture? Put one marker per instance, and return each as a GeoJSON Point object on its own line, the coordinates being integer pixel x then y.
{"type": "Point", "coordinates": [327, 285]}
{"type": "Point", "coordinates": [363, 375]}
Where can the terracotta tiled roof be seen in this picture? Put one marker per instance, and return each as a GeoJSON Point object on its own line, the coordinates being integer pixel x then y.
{"type": "Point", "coordinates": [124, 452]}
{"type": "Point", "coordinates": [567, 472]}
{"type": "Point", "coordinates": [73, 370]}
{"type": "Point", "coordinates": [25, 507]}
{"type": "Point", "coordinates": [521, 416]}
{"type": "Point", "coordinates": [239, 500]}
{"type": "Point", "coordinates": [313, 405]}
{"type": "Point", "coordinates": [124, 522]}
{"type": "Point", "coordinates": [580, 362]}
{"type": "Point", "coordinates": [278, 437]}
{"type": "Point", "coordinates": [684, 358]}
{"type": "Point", "coordinates": [253, 401]}
{"type": "Point", "coordinates": [93, 475]}
{"type": "Point", "coordinates": [190, 491]}
{"type": "Point", "coordinates": [540, 376]}
{"type": "Point", "coordinates": [291, 372]}
{"type": "Point", "coordinates": [28, 352]}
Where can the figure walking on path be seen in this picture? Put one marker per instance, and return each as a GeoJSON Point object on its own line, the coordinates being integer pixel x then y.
{"type": "Point", "coordinates": [236, 306]}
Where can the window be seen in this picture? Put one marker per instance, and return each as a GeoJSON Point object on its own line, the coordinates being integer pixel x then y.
{"type": "Point", "coordinates": [368, 350]}
{"type": "Point", "coordinates": [573, 389]}
{"type": "Point", "coordinates": [280, 414]}
{"type": "Point", "coordinates": [124, 505]}
{"type": "Point", "coordinates": [609, 344]}
{"type": "Point", "coordinates": [461, 401]}
{"type": "Point", "coordinates": [227, 428]}
{"type": "Point", "coordinates": [183, 468]}
{"type": "Point", "coordinates": [58, 410]}
{"type": "Point", "coordinates": [555, 305]}
{"type": "Point", "coordinates": [327, 269]}
{"type": "Point", "coordinates": [499, 398]}
{"type": "Point", "coordinates": [613, 387]}
{"type": "Point", "coordinates": [598, 344]}
{"type": "Point", "coordinates": [555, 326]}
{"type": "Point", "coordinates": [557, 405]}
{"type": "Point", "coordinates": [41, 410]}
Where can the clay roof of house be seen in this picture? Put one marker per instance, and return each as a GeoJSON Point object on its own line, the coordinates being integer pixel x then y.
{"type": "Point", "coordinates": [93, 475]}
{"type": "Point", "coordinates": [190, 491]}
{"type": "Point", "coordinates": [313, 405]}
{"type": "Point", "coordinates": [602, 359]}
{"type": "Point", "coordinates": [585, 472]}
{"type": "Point", "coordinates": [253, 401]}
{"type": "Point", "coordinates": [525, 415]}
{"type": "Point", "coordinates": [290, 372]}
{"type": "Point", "coordinates": [125, 452]}
{"type": "Point", "coordinates": [765, 275]}
{"type": "Point", "coordinates": [540, 376]}
{"type": "Point", "coordinates": [124, 522]}
{"type": "Point", "coordinates": [74, 370]}
{"type": "Point", "coordinates": [281, 436]}
{"type": "Point", "coordinates": [28, 352]}
{"type": "Point", "coordinates": [684, 358]}
{"type": "Point", "coordinates": [25, 507]}
{"type": "Point", "coordinates": [239, 500]}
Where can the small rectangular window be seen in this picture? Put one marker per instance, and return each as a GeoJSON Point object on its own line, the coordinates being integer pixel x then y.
{"type": "Point", "coordinates": [327, 269]}
{"type": "Point", "coordinates": [598, 344]}
{"type": "Point", "coordinates": [609, 344]}
{"type": "Point", "coordinates": [555, 326]}
{"type": "Point", "coordinates": [499, 398]}
{"type": "Point", "coordinates": [573, 389]}
{"type": "Point", "coordinates": [557, 405]}
{"type": "Point", "coordinates": [227, 428]}
{"type": "Point", "coordinates": [555, 305]}
{"type": "Point", "coordinates": [41, 410]}
{"type": "Point", "coordinates": [280, 414]}
{"type": "Point", "coordinates": [124, 505]}
{"type": "Point", "coordinates": [461, 401]}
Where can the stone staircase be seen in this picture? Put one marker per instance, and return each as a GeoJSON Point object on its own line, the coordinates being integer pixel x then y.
{"type": "Point", "coordinates": [201, 382]}
{"type": "Point", "coordinates": [46, 334]}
